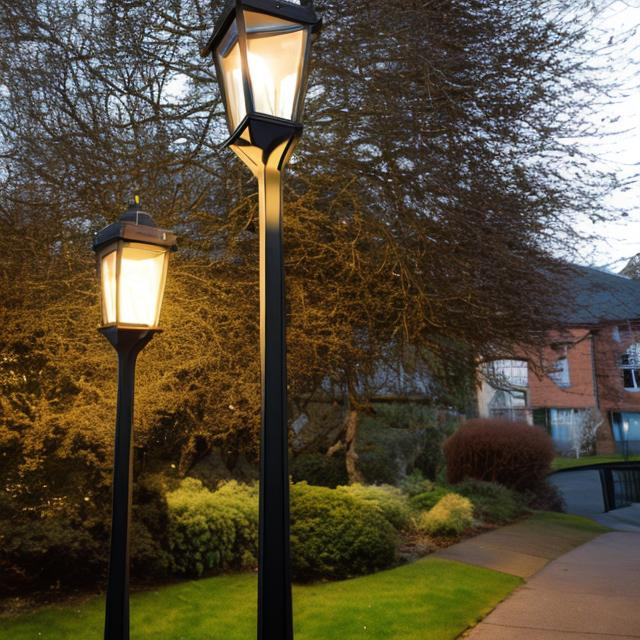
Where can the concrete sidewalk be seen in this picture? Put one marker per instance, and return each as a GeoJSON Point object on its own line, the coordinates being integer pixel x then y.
{"type": "Point", "coordinates": [521, 549]}
{"type": "Point", "coordinates": [592, 592]}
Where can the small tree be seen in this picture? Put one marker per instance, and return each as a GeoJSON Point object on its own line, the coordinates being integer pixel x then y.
{"type": "Point", "coordinates": [584, 431]}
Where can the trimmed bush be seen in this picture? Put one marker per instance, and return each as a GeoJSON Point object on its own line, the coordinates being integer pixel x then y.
{"type": "Point", "coordinates": [416, 483]}
{"type": "Point", "coordinates": [334, 535]}
{"type": "Point", "coordinates": [377, 465]}
{"type": "Point", "coordinates": [320, 469]}
{"type": "Point", "coordinates": [212, 530]}
{"type": "Point", "coordinates": [428, 499]}
{"type": "Point", "coordinates": [36, 553]}
{"type": "Point", "coordinates": [391, 502]}
{"type": "Point", "coordinates": [492, 503]}
{"type": "Point", "coordinates": [514, 454]}
{"type": "Point", "coordinates": [545, 497]}
{"type": "Point", "coordinates": [150, 558]}
{"type": "Point", "coordinates": [451, 516]}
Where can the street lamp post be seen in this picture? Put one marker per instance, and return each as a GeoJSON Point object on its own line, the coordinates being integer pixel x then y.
{"type": "Point", "coordinates": [132, 256]}
{"type": "Point", "coordinates": [261, 50]}
{"type": "Point", "coordinates": [625, 442]}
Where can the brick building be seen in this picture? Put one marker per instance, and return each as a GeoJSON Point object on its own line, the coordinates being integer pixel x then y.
{"type": "Point", "coordinates": [589, 371]}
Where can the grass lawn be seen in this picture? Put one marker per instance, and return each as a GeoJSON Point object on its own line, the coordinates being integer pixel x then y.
{"type": "Point", "coordinates": [429, 599]}
{"type": "Point", "coordinates": [576, 530]}
{"type": "Point", "coordinates": [566, 463]}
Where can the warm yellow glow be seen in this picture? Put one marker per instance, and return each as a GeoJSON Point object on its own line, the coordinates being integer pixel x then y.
{"type": "Point", "coordinates": [141, 284]}
{"type": "Point", "coordinates": [232, 72]}
{"type": "Point", "coordinates": [275, 62]}
{"type": "Point", "coordinates": [108, 280]}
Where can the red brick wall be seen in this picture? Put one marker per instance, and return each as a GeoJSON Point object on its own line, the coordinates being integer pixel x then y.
{"type": "Point", "coordinates": [613, 396]}
{"type": "Point", "coordinates": [544, 392]}
{"type": "Point", "coordinates": [585, 346]}
{"type": "Point", "coordinates": [580, 346]}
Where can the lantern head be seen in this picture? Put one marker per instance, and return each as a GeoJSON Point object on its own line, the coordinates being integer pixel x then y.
{"type": "Point", "coordinates": [261, 50]}
{"type": "Point", "coordinates": [133, 256]}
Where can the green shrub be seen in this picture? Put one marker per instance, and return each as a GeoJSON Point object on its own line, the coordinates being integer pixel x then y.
{"type": "Point", "coordinates": [319, 469]}
{"type": "Point", "coordinates": [492, 502]}
{"type": "Point", "coordinates": [391, 502]}
{"type": "Point", "coordinates": [334, 535]}
{"type": "Point", "coordinates": [212, 530]}
{"type": "Point", "coordinates": [451, 516]}
{"type": "Point", "coordinates": [514, 454]}
{"type": "Point", "coordinates": [544, 497]}
{"type": "Point", "coordinates": [397, 438]}
{"type": "Point", "coordinates": [377, 465]}
{"type": "Point", "coordinates": [43, 551]}
{"type": "Point", "coordinates": [428, 499]}
{"type": "Point", "coordinates": [150, 557]}
{"type": "Point", "coordinates": [416, 483]}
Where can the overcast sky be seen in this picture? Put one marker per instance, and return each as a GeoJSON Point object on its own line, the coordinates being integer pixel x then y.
{"type": "Point", "coordinates": [620, 240]}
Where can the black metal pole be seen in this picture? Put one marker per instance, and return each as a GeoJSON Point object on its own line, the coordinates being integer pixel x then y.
{"type": "Point", "coordinates": [626, 446]}
{"type": "Point", "coordinates": [128, 344]}
{"type": "Point", "coordinates": [275, 617]}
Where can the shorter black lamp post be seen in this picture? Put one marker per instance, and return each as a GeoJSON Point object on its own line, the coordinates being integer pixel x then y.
{"type": "Point", "coordinates": [133, 255]}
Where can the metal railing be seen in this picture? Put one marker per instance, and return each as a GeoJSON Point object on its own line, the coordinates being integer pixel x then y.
{"type": "Point", "coordinates": [620, 484]}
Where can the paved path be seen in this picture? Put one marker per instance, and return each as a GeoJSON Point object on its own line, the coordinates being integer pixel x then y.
{"type": "Point", "coordinates": [591, 593]}
{"type": "Point", "coordinates": [521, 549]}
{"type": "Point", "coordinates": [583, 494]}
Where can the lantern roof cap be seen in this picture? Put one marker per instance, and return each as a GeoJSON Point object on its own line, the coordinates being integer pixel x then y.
{"type": "Point", "coordinates": [303, 13]}
{"type": "Point", "coordinates": [135, 225]}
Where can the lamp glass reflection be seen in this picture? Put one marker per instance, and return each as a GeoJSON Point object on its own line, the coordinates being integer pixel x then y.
{"type": "Point", "coordinates": [275, 53]}
{"type": "Point", "coordinates": [109, 287]}
{"type": "Point", "coordinates": [230, 62]}
{"type": "Point", "coordinates": [140, 284]}
{"type": "Point", "coordinates": [133, 280]}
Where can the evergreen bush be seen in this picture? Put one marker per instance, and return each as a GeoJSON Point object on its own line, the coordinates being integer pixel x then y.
{"type": "Point", "coordinates": [428, 499]}
{"type": "Point", "coordinates": [451, 516]}
{"type": "Point", "coordinates": [319, 469]}
{"type": "Point", "coordinates": [492, 502]}
{"type": "Point", "coordinates": [212, 530]}
{"type": "Point", "coordinates": [391, 502]}
{"type": "Point", "coordinates": [334, 535]}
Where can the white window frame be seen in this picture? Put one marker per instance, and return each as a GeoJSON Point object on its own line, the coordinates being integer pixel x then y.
{"type": "Point", "coordinates": [560, 373]}
{"type": "Point", "coordinates": [508, 372]}
{"type": "Point", "coordinates": [630, 361]}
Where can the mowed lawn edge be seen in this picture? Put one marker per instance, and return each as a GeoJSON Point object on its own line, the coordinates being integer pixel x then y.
{"type": "Point", "coordinates": [430, 598]}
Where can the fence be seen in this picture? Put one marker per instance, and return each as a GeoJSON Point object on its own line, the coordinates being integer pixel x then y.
{"type": "Point", "coordinates": [620, 484]}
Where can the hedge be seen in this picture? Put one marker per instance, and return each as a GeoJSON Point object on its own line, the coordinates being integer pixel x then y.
{"type": "Point", "coordinates": [513, 454]}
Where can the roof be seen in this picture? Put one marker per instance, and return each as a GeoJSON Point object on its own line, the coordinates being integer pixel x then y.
{"type": "Point", "coordinates": [597, 296]}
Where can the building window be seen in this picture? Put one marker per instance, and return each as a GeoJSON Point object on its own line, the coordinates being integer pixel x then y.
{"type": "Point", "coordinates": [560, 372]}
{"type": "Point", "coordinates": [510, 405]}
{"type": "Point", "coordinates": [626, 429]}
{"type": "Point", "coordinates": [630, 365]}
{"type": "Point", "coordinates": [508, 373]}
{"type": "Point", "coordinates": [565, 423]}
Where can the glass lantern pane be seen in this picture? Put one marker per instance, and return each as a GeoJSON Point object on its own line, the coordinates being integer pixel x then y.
{"type": "Point", "coordinates": [275, 54]}
{"type": "Point", "coordinates": [108, 282]}
{"type": "Point", "coordinates": [141, 284]}
{"type": "Point", "coordinates": [231, 65]}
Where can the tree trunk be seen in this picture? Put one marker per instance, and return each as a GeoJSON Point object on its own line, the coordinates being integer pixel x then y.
{"type": "Point", "coordinates": [351, 432]}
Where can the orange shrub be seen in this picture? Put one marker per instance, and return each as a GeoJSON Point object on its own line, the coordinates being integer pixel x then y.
{"type": "Point", "coordinates": [514, 454]}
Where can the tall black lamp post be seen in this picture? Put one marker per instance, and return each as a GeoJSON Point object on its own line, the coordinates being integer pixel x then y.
{"type": "Point", "coordinates": [261, 50]}
{"type": "Point", "coordinates": [133, 255]}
